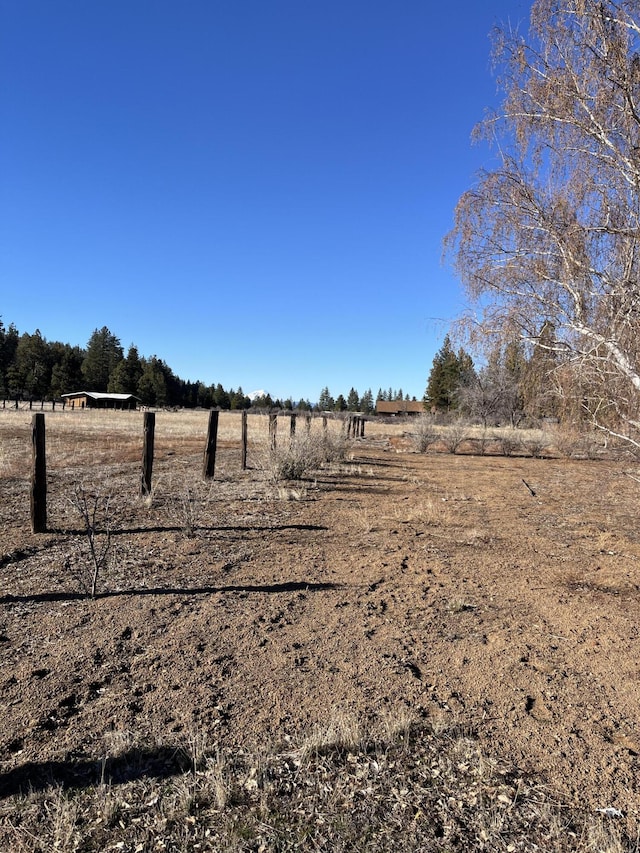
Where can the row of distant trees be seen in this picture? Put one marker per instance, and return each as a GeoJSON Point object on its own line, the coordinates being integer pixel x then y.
{"type": "Point", "coordinates": [32, 368]}
{"type": "Point", "coordinates": [353, 402]}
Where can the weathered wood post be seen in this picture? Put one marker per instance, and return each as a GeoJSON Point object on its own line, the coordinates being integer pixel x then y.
{"type": "Point", "coordinates": [210, 450]}
{"type": "Point", "coordinates": [149, 428]}
{"type": "Point", "coordinates": [307, 422]}
{"type": "Point", "coordinates": [292, 427]}
{"type": "Point", "coordinates": [324, 422]}
{"type": "Point", "coordinates": [361, 427]}
{"type": "Point", "coordinates": [245, 433]}
{"type": "Point", "coordinates": [273, 426]}
{"type": "Point", "coordinates": [38, 476]}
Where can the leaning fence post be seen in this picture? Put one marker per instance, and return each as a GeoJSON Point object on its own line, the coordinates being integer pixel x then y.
{"type": "Point", "coordinates": [244, 439]}
{"type": "Point", "coordinates": [210, 450]}
{"type": "Point", "coordinates": [149, 429]}
{"type": "Point", "coordinates": [38, 476]}
{"type": "Point", "coordinates": [273, 426]}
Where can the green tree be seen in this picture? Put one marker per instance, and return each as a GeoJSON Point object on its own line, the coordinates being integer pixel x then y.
{"type": "Point", "coordinates": [126, 375]}
{"type": "Point", "coordinates": [340, 404]}
{"type": "Point", "coordinates": [366, 403]}
{"type": "Point", "coordinates": [104, 353]}
{"type": "Point", "coordinates": [221, 399]}
{"type": "Point", "coordinates": [29, 375]}
{"type": "Point", "coordinates": [239, 400]}
{"type": "Point", "coordinates": [8, 344]}
{"type": "Point", "coordinates": [353, 401]}
{"type": "Point", "coordinates": [152, 386]}
{"type": "Point", "coordinates": [326, 403]}
{"type": "Point", "coordinates": [66, 373]}
{"type": "Point", "coordinates": [449, 372]}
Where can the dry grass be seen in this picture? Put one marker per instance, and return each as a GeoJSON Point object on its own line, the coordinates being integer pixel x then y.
{"type": "Point", "coordinates": [403, 785]}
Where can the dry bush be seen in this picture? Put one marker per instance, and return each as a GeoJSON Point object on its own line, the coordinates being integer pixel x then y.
{"type": "Point", "coordinates": [510, 442]}
{"type": "Point", "coordinates": [535, 443]}
{"type": "Point", "coordinates": [188, 504]}
{"type": "Point", "coordinates": [481, 442]}
{"type": "Point", "coordinates": [577, 445]}
{"type": "Point", "coordinates": [425, 434]}
{"type": "Point", "coordinates": [302, 453]}
{"type": "Point", "coordinates": [454, 436]}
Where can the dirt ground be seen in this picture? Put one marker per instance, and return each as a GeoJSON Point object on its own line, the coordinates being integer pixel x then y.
{"type": "Point", "coordinates": [393, 584]}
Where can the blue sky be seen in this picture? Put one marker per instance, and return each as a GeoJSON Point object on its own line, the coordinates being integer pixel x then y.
{"type": "Point", "coordinates": [254, 191]}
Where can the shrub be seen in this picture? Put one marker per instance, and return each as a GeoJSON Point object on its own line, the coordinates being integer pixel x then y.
{"type": "Point", "coordinates": [302, 454]}
{"type": "Point", "coordinates": [425, 434]}
{"type": "Point", "coordinates": [453, 436]}
{"type": "Point", "coordinates": [510, 443]}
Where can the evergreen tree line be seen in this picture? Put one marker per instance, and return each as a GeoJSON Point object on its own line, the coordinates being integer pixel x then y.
{"type": "Point", "coordinates": [32, 368]}
{"type": "Point", "coordinates": [512, 386]}
{"type": "Point", "coordinates": [366, 404]}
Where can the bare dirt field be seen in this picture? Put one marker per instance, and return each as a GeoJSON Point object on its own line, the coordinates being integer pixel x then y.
{"type": "Point", "coordinates": [404, 651]}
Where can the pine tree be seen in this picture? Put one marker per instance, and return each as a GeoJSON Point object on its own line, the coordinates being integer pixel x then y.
{"type": "Point", "coordinates": [326, 402]}
{"type": "Point", "coordinates": [353, 401]}
{"type": "Point", "coordinates": [366, 402]}
{"type": "Point", "coordinates": [30, 372]}
{"type": "Point", "coordinates": [125, 376]}
{"type": "Point", "coordinates": [340, 404]}
{"type": "Point", "coordinates": [152, 387]}
{"type": "Point", "coordinates": [66, 374]}
{"type": "Point", "coordinates": [104, 353]}
{"type": "Point", "coordinates": [449, 372]}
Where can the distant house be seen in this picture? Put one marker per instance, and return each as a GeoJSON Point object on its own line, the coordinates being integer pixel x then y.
{"type": "Point", "coordinates": [98, 400]}
{"type": "Point", "coordinates": [399, 407]}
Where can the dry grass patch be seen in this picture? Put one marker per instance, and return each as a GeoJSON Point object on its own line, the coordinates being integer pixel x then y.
{"type": "Point", "coordinates": [404, 788]}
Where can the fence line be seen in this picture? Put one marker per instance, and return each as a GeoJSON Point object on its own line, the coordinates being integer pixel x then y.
{"type": "Point", "coordinates": [38, 495]}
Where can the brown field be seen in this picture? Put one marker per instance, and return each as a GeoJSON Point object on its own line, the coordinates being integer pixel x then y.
{"type": "Point", "coordinates": [402, 652]}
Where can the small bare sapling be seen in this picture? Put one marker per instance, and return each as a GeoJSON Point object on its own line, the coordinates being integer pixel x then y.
{"type": "Point", "coordinates": [93, 508]}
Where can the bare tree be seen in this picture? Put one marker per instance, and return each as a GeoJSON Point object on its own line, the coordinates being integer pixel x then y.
{"type": "Point", "coordinates": [551, 238]}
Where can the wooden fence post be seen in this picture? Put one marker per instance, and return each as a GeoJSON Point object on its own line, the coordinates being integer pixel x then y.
{"type": "Point", "coordinates": [245, 433]}
{"type": "Point", "coordinates": [38, 476]}
{"type": "Point", "coordinates": [273, 426]}
{"type": "Point", "coordinates": [149, 429]}
{"type": "Point", "coordinates": [307, 422]}
{"type": "Point", "coordinates": [324, 422]}
{"type": "Point", "coordinates": [361, 427]}
{"type": "Point", "coordinates": [210, 450]}
{"type": "Point", "coordinates": [292, 427]}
